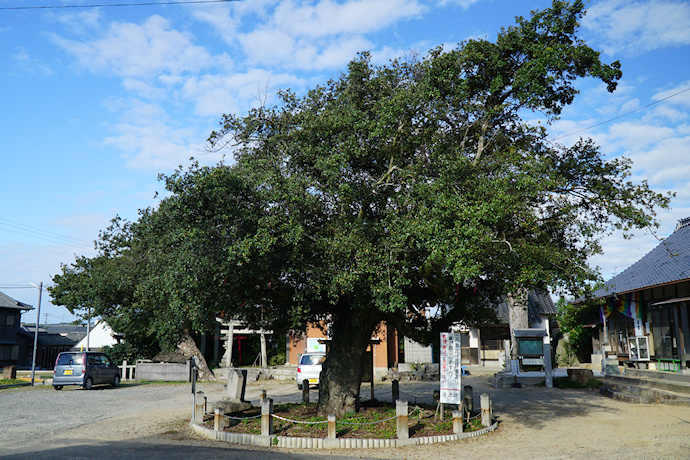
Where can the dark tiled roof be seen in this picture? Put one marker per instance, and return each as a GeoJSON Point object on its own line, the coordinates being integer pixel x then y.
{"type": "Point", "coordinates": [667, 263]}
{"type": "Point", "coordinates": [47, 338]}
{"type": "Point", "coordinates": [8, 302]}
{"type": "Point", "coordinates": [538, 303]}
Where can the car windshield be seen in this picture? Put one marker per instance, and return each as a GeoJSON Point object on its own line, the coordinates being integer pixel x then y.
{"type": "Point", "coordinates": [308, 360]}
{"type": "Point", "coordinates": [70, 359]}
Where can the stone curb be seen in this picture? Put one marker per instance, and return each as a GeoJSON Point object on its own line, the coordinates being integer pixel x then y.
{"type": "Point", "coordinates": [325, 443]}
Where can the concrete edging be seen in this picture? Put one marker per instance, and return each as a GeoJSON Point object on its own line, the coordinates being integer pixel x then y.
{"type": "Point", "coordinates": [325, 443]}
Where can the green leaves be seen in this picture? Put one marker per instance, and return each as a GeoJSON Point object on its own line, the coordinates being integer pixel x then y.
{"type": "Point", "coordinates": [409, 186]}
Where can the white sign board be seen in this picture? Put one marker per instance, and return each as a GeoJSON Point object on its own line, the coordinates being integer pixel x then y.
{"type": "Point", "coordinates": [451, 371]}
{"type": "Point", "coordinates": [313, 346]}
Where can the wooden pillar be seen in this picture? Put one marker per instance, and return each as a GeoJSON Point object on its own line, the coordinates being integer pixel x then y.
{"type": "Point", "coordinates": [457, 420]}
{"type": "Point", "coordinates": [199, 407]}
{"type": "Point", "coordinates": [228, 344]}
{"type": "Point", "coordinates": [486, 409]}
{"type": "Point", "coordinates": [264, 354]}
{"type": "Point", "coordinates": [267, 417]}
{"type": "Point", "coordinates": [331, 426]}
{"type": "Point", "coordinates": [469, 399]}
{"type": "Point", "coordinates": [402, 426]}
{"type": "Point", "coordinates": [305, 391]}
{"type": "Point", "coordinates": [219, 421]}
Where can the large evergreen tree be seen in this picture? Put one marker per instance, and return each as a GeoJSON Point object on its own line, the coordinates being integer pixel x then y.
{"type": "Point", "coordinates": [389, 191]}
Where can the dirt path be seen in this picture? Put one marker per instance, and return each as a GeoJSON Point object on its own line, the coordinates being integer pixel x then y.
{"type": "Point", "coordinates": [535, 423]}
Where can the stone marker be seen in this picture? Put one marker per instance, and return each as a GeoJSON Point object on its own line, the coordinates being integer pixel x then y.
{"type": "Point", "coordinates": [236, 385]}
{"type": "Point", "coordinates": [233, 393]}
{"type": "Point", "coordinates": [581, 376]}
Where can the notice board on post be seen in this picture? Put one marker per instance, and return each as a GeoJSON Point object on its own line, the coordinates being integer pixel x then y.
{"type": "Point", "coordinates": [451, 370]}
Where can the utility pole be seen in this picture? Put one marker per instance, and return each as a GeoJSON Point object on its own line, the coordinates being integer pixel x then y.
{"type": "Point", "coordinates": [38, 320]}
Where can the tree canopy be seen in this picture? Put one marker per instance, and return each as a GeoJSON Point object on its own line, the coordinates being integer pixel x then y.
{"type": "Point", "coordinates": [388, 191]}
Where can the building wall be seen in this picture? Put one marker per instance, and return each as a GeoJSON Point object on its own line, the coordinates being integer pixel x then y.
{"type": "Point", "coordinates": [9, 329]}
{"type": "Point", "coordinates": [667, 325]}
{"type": "Point", "coordinates": [384, 353]}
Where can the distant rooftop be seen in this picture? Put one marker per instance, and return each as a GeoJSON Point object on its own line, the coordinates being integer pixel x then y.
{"type": "Point", "coordinates": [8, 302]}
{"type": "Point", "coordinates": [667, 263]}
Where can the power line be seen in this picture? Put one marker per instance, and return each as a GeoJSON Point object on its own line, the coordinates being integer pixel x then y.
{"type": "Point", "coordinates": [106, 5]}
{"type": "Point", "coordinates": [620, 116]}
{"type": "Point", "coordinates": [26, 230]}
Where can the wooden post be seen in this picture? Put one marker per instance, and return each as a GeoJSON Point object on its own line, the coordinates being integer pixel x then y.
{"type": "Point", "coordinates": [123, 374]}
{"type": "Point", "coordinates": [262, 396]}
{"type": "Point", "coordinates": [199, 407]}
{"type": "Point", "coordinates": [228, 344]}
{"type": "Point", "coordinates": [395, 390]}
{"type": "Point", "coordinates": [219, 421]}
{"type": "Point", "coordinates": [267, 417]}
{"type": "Point", "coordinates": [402, 426]}
{"type": "Point", "coordinates": [457, 421]}
{"type": "Point", "coordinates": [469, 399]}
{"type": "Point", "coordinates": [331, 426]}
{"type": "Point", "coordinates": [305, 391]}
{"type": "Point", "coordinates": [486, 409]}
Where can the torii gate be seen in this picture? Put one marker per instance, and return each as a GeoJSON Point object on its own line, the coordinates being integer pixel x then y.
{"type": "Point", "coordinates": [237, 327]}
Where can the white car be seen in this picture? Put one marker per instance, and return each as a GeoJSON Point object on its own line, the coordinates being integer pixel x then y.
{"type": "Point", "coordinates": [309, 368]}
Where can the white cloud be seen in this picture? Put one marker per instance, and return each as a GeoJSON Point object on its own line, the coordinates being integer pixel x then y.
{"type": "Point", "coordinates": [665, 163]}
{"type": "Point", "coordinates": [328, 18]}
{"type": "Point", "coordinates": [213, 95]}
{"type": "Point", "coordinates": [135, 51]}
{"type": "Point", "coordinates": [635, 27]}
{"type": "Point", "coordinates": [679, 95]}
{"type": "Point", "coordinates": [149, 141]}
{"type": "Point", "coordinates": [463, 3]}
{"type": "Point", "coordinates": [25, 62]}
{"type": "Point", "coordinates": [322, 36]}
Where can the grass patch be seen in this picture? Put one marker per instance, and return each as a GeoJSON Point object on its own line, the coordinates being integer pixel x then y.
{"type": "Point", "coordinates": [4, 382]}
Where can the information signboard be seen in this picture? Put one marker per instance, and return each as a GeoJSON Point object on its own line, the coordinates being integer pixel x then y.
{"type": "Point", "coordinates": [451, 371]}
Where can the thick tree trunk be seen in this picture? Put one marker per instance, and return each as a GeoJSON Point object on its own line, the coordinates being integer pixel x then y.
{"type": "Point", "coordinates": [189, 349]}
{"type": "Point", "coordinates": [341, 376]}
{"type": "Point", "coordinates": [517, 314]}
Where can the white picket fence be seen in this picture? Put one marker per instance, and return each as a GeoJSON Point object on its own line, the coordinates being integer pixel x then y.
{"type": "Point", "coordinates": [127, 371]}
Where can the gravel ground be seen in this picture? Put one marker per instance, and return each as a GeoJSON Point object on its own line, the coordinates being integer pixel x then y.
{"type": "Point", "coordinates": [149, 421]}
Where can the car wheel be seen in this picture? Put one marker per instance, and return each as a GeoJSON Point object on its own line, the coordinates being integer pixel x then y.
{"type": "Point", "coordinates": [299, 386]}
{"type": "Point", "coordinates": [88, 383]}
{"type": "Point", "coordinates": [116, 381]}
{"type": "Point", "coordinates": [57, 387]}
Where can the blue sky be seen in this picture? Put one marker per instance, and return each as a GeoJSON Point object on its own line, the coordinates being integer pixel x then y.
{"type": "Point", "coordinates": [96, 102]}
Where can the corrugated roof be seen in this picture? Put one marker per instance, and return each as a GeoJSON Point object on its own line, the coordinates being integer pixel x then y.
{"type": "Point", "coordinates": [8, 302]}
{"type": "Point", "coordinates": [667, 263]}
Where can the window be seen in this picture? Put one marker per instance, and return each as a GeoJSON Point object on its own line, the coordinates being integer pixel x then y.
{"type": "Point", "coordinates": [9, 320]}
{"type": "Point", "coordinates": [9, 352]}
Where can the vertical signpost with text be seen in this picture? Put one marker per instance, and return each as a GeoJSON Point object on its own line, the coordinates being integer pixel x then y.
{"type": "Point", "coordinates": [451, 371]}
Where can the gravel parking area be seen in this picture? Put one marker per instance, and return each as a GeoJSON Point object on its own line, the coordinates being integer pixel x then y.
{"type": "Point", "coordinates": [149, 421]}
